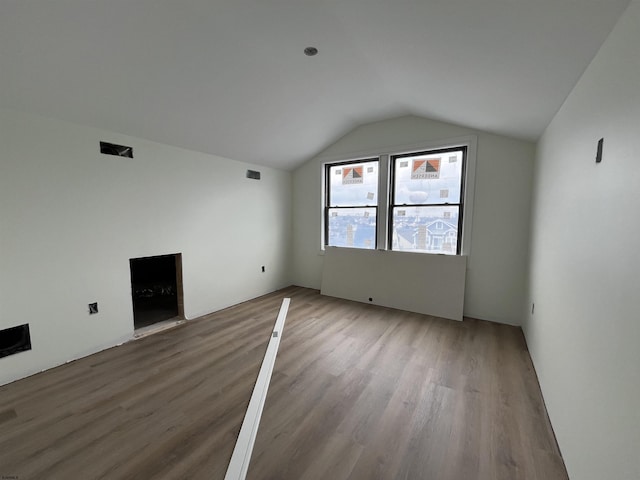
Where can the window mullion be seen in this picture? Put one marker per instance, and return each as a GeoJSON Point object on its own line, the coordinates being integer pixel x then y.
{"type": "Point", "coordinates": [382, 219]}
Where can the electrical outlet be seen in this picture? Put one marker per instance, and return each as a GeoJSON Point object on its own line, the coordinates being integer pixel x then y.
{"type": "Point", "coordinates": [370, 299]}
{"type": "Point", "coordinates": [93, 308]}
{"type": "Point", "coordinates": [263, 270]}
{"type": "Point", "coordinates": [533, 307]}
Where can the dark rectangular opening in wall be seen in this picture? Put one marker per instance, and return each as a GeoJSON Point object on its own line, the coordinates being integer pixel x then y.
{"type": "Point", "coordinates": [253, 174]}
{"type": "Point", "coordinates": [14, 340]}
{"type": "Point", "coordinates": [156, 289]}
{"type": "Point", "coordinates": [117, 150]}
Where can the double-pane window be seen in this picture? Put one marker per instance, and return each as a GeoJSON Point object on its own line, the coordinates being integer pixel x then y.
{"type": "Point", "coordinates": [420, 208]}
{"type": "Point", "coordinates": [351, 208]}
{"type": "Point", "coordinates": [427, 191]}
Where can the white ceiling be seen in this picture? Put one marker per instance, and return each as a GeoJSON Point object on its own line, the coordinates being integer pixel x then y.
{"type": "Point", "coordinates": [229, 77]}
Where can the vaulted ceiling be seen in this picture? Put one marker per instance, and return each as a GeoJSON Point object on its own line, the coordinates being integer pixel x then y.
{"type": "Point", "coordinates": [229, 77]}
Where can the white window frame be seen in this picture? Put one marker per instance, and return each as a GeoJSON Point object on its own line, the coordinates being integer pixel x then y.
{"type": "Point", "coordinates": [384, 153]}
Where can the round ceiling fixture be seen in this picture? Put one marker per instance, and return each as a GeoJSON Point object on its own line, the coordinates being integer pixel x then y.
{"type": "Point", "coordinates": [310, 51]}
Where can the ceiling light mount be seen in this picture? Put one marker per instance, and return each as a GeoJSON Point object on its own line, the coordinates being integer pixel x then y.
{"type": "Point", "coordinates": [310, 51]}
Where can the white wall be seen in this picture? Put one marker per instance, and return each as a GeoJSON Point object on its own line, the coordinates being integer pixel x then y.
{"type": "Point", "coordinates": [71, 218]}
{"type": "Point", "coordinates": [495, 285]}
{"type": "Point", "coordinates": [585, 264]}
{"type": "Point", "coordinates": [427, 284]}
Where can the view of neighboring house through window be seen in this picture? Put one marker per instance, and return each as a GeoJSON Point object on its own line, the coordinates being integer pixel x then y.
{"type": "Point", "coordinates": [351, 204]}
{"type": "Point", "coordinates": [425, 211]}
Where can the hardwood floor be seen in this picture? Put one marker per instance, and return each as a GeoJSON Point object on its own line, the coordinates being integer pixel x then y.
{"type": "Point", "coordinates": [358, 392]}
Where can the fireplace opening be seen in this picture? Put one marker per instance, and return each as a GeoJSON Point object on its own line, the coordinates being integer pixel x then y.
{"type": "Point", "coordinates": [156, 289]}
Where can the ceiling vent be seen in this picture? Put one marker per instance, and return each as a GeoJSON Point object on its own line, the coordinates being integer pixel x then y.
{"type": "Point", "coordinates": [117, 150]}
{"type": "Point", "coordinates": [253, 174]}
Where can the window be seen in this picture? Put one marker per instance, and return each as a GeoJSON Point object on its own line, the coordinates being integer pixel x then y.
{"type": "Point", "coordinates": [411, 199]}
{"type": "Point", "coordinates": [351, 204]}
{"type": "Point", "coordinates": [425, 208]}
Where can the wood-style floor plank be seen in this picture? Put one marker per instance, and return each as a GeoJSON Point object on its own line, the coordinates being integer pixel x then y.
{"type": "Point", "coordinates": [358, 392]}
{"type": "Point", "coordinates": [362, 392]}
{"type": "Point", "coordinates": [166, 406]}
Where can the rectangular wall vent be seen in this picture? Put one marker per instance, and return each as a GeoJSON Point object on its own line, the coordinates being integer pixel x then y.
{"type": "Point", "coordinates": [14, 340]}
{"type": "Point", "coordinates": [253, 174]}
{"type": "Point", "coordinates": [117, 150]}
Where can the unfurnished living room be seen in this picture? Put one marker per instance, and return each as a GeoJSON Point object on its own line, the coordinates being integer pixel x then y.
{"type": "Point", "coordinates": [357, 239]}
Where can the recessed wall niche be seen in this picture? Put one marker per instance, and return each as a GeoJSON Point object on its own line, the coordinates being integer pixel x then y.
{"type": "Point", "coordinates": [156, 289]}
